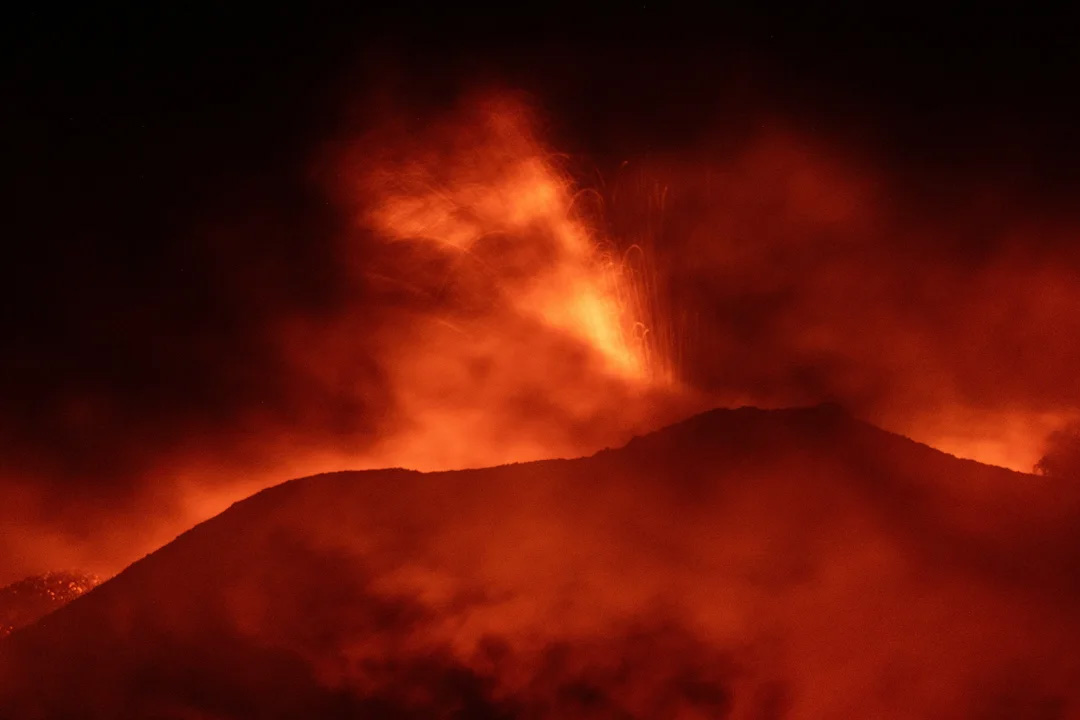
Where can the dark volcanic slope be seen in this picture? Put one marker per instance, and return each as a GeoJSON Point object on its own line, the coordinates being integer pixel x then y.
{"type": "Point", "coordinates": [745, 563]}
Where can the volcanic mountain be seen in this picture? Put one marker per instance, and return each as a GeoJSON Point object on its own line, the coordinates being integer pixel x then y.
{"type": "Point", "coordinates": [744, 563]}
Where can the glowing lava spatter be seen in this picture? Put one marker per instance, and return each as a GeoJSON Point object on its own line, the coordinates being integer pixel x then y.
{"type": "Point", "coordinates": [497, 196]}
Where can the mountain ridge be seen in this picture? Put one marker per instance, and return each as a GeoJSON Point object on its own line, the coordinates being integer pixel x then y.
{"type": "Point", "coordinates": [520, 590]}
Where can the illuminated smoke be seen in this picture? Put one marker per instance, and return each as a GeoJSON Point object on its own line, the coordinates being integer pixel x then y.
{"type": "Point", "coordinates": [517, 324]}
{"type": "Point", "coordinates": [497, 198]}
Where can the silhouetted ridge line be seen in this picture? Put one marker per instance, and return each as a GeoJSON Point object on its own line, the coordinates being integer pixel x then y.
{"type": "Point", "coordinates": [726, 565]}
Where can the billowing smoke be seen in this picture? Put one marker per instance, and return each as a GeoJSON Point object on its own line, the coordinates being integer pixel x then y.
{"type": "Point", "coordinates": [1062, 455]}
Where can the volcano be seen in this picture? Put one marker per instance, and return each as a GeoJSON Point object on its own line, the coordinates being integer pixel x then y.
{"type": "Point", "coordinates": [744, 563]}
